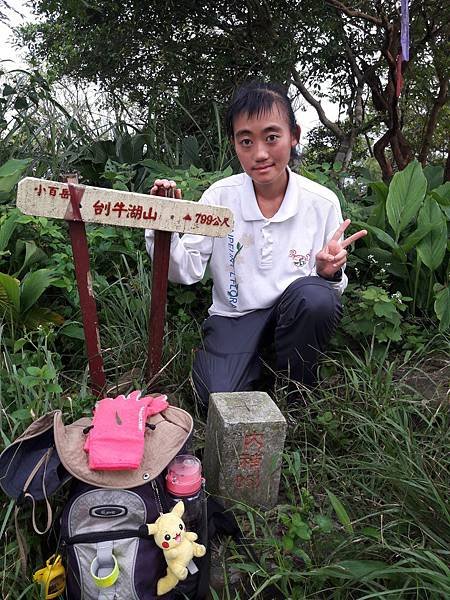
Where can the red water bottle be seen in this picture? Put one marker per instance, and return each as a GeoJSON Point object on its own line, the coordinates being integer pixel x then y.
{"type": "Point", "coordinates": [184, 482]}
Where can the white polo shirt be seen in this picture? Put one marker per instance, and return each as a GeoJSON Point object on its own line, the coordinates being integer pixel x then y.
{"type": "Point", "coordinates": [261, 257]}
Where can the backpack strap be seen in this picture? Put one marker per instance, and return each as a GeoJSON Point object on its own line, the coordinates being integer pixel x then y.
{"type": "Point", "coordinates": [21, 541]}
{"type": "Point", "coordinates": [43, 461]}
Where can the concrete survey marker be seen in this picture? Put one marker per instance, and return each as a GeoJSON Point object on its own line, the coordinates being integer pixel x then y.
{"type": "Point", "coordinates": [244, 443]}
{"type": "Point", "coordinates": [51, 199]}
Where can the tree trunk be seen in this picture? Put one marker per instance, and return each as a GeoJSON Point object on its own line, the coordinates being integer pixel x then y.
{"type": "Point", "coordinates": [378, 151]}
{"type": "Point", "coordinates": [433, 118]}
{"type": "Point", "coordinates": [447, 168]}
{"type": "Point", "coordinates": [345, 151]}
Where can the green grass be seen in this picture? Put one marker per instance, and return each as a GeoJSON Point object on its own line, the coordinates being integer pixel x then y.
{"type": "Point", "coordinates": [365, 509]}
{"type": "Point", "coordinates": [364, 506]}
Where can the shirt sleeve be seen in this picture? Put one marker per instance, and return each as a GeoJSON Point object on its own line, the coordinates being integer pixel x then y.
{"type": "Point", "coordinates": [189, 253]}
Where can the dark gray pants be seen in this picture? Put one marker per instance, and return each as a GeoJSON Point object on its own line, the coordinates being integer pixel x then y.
{"type": "Point", "coordinates": [300, 325]}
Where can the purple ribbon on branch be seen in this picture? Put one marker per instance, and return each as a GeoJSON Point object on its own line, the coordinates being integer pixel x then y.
{"type": "Point", "coordinates": [405, 30]}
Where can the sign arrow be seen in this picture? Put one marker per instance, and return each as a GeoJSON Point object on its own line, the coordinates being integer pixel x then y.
{"type": "Point", "coordinates": [187, 218]}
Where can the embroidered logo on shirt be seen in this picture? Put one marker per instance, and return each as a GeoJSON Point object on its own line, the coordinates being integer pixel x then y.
{"type": "Point", "coordinates": [299, 260]}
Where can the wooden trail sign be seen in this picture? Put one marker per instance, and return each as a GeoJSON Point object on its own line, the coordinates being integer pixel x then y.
{"type": "Point", "coordinates": [78, 204]}
{"type": "Point", "coordinates": [113, 207]}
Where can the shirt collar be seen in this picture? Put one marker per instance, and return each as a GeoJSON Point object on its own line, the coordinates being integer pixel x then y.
{"type": "Point", "coordinates": [251, 211]}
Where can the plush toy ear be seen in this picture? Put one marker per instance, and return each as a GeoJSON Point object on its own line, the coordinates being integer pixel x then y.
{"type": "Point", "coordinates": [152, 529]}
{"type": "Point", "coordinates": [178, 509]}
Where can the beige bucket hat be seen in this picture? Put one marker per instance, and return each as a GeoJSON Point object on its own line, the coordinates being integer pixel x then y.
{"type": "Point", "coordinates": [172, 429]}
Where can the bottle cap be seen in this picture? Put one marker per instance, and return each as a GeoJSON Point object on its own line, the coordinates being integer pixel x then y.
{"type": "Point", "coordinates": [184, 476]}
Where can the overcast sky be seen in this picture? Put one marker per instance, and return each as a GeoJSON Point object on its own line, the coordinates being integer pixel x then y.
{"type": "Point", "coordinates": [15, 58]}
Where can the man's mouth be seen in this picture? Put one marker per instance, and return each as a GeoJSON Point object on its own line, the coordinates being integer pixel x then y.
{"type": "Point", "coordinates": [263, 168]}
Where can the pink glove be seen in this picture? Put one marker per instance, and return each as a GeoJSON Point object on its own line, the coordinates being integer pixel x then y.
{"type": "Point", "coordinates": [116, 440]}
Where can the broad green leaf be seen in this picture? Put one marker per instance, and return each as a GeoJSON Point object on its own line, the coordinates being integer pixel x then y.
{"type": "Point", "coordinates": [21, 103]}
{"type": "Point", "coordinates": [442, 194]}
{"type": "Point", "coordinates": [7, 228]}
{"type": "Point", "coordinates": [8, 90]}
{"type": "Point", "coordinates": [414, 238]}
{"type": "Point", "coordinates": [288, 543]}
{"type": "Point", "coordinates": [124, 150]}
{"type": "Point", "coordinates": [431, 248]}
{"type": "Point", "coordinates": [72, 330]}
{"type": "Point", "coordinates": [119, 185]}
{"type": "Point", "coordinates": [11, 173]}
{"type": "Point", "coordinates": [19, 344]}
{"type": "Point", "coordinates": [362, 569]}
{"type": "Point", "coordinates": [340, 511]}
{"type": "Point", "coordinates": [190, 151]}
{"type": "Point", "coordinates": [385, 259]}
{"type": "Point", "coordinates": [29, 381]}
{"type": "Point", "coordinates": [442, 307]}
{"type": "Point", "coordinates": [377, 217]}
{"type": "Point", "coordinates": [9, 293]}
{"type": "Point", "coordinates": [21, 414]}
{"type": "Point", "coordinates": [302, 554]}
{"type": "Point", "coordinates": [34, 371]}
{"type": "Point", "coordinates": [324, 523]}
{"type": "Point", "coordinates": [41, 316]}
{"type": "Point", "coordinates": [33, 254]}
{"type": "Point", "coordinates": [385, 309]}
{"type": "Point", "coordinates": [33, 286]}
{"type": "Point", "coordinates": [303, 532]}
{"type": "Point", "coordinates": [382, 236]}
{"type": "Point", "coordinates": [186, 297]}
{"type": "Point", "coordinates": [155, 166]}
{"type": "Point", "coordinates": [434, 175]}
{"type": "Point", "coordinates": [446, 210]}
{"type": "Point", "coordinates": [54, 388]}
{"type": "Point", "coordinates": [406, 193]}
{"type": "Point", "coordinates": [380, 190]}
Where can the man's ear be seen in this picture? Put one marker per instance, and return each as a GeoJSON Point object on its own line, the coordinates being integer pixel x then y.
{"type": "Point", "coordinates": [296, 135]}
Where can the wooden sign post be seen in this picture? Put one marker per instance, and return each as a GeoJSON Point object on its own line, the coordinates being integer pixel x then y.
{"type": "Point", "coordinates": [79, 204]}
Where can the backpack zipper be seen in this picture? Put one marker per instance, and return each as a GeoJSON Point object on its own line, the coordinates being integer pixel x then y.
{"type": "Point", "coordinates": [105, 536]}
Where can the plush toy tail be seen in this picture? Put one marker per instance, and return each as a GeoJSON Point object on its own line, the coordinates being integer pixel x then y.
{"type": "Point", "coordinates": [167, 583]}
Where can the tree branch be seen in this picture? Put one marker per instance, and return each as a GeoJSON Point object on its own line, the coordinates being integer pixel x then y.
{"type": "Point", "coordinates": [359, 75]}
{"type": "Point", "coordinates": [354, 13]}
{"type": "Point", "coordinates": [438, 103]}
{"type": "Point", "coordinates": [338, 132]}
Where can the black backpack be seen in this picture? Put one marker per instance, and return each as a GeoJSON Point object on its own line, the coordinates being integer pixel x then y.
{"type": "Point", "coordinates": [104, 535]}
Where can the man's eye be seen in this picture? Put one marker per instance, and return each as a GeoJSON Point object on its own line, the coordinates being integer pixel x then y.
{"type": "Point", "coordinates": [272, 137]}
{"type": "Point", "coordinates": [245, 142]}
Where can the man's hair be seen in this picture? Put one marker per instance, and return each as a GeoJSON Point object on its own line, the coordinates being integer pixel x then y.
{"type": "Point", "coordinates": [257, 98]}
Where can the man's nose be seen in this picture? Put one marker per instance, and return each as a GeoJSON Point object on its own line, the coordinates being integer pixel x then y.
{"type": "Point", "coordinates": [261, 152]}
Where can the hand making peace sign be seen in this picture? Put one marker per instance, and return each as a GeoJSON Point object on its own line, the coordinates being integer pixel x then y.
{"type": "Point", "coordinates": [333, 255]}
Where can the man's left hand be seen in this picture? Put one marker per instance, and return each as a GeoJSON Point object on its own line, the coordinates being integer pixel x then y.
{"type": "Point", "coordinates": [333, 255]}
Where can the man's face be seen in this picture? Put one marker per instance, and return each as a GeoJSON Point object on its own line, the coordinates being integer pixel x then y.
{"type": "Point", "coordinates": [263, 144]}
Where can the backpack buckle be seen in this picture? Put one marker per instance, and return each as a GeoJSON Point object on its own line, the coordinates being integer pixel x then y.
{"type": "Point", "coordinates": [52, 577]}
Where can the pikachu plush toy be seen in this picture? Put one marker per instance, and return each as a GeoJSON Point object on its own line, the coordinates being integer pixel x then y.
{"type": "Point", "coordinates": [178, 545]}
